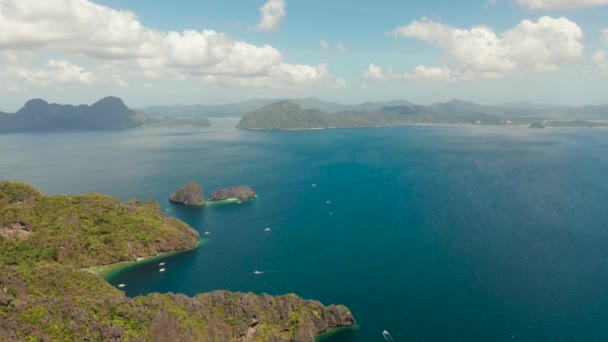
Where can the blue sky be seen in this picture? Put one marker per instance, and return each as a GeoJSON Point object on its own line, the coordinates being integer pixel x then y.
{"type": "Point", "coordinates": [473, 50]}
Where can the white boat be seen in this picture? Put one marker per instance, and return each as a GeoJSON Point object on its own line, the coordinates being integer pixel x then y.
{"type": "Point", "coordinates": [387, 336]}
{"type": "Point", "coordinates": [162, 270]}
{"type": "Point", "coordinates": [258, 272]}
{"type": "Point", "coordinates": [267, 229]}
{"type": "Point", "coordinates": [328, 202]}
{"type": "Point", "coordinates": [207, 233]}
{"type": "Point", "coordinates": [161, 264]}
{"type": "Point", "coordinates": [121, 285]}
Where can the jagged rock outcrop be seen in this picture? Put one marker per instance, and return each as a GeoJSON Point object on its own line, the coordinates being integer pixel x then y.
{"type": "Point", "coordinates": [46, 296]}
{"type": "Point", "coordinates": [190, 194]}
{"type": "Point", "coordinates": [55, 302]}
{"type": "Point", "coordinates": [239, 193]}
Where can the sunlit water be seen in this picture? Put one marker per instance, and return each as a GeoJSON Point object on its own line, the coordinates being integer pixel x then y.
{"type": "Point", "coordinates": [432, 233]}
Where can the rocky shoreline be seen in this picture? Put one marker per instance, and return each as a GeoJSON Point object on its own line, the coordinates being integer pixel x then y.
{"type": "Point", "coordinates": [46, 295]}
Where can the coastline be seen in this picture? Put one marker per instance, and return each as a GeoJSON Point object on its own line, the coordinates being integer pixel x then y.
{"type": "Point", "coordinates": [230, 201]}
{"type": "Point", "coordinates": [107, 271]}
{"type": "Point", "coordinates": [464, 124]}
{"type": "Point", "coordinates": [328, 334]}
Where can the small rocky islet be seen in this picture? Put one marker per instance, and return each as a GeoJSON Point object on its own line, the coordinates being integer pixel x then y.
{"type": "Point", "coordinates": [192, 194]}
{"type": "Point", "coordinates": [234, 193]}
{"type": "Point", "coordinates": [46, 242]}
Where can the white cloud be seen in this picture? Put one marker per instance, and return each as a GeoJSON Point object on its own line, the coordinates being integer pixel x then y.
{"type": "Point", "coordinates": [280, 76]}
{"type": "Point", "coordinates": [57, 72]}
{"type": "Point", "coordinates": [54, 72]}
{"type": "Point", "coordinates": [481, 53]}
{"type": "Point", "coordinates": [119, 43]}
{"type": "Point", "coordinates": [605, 36]}
{"type": "Point", "coordinates": [324, 44]}
{"type": "Point", "coordinates": [601, 59]}
{"type": "Point", "coordinates": [374, 73]}
{"type": "Point", "coordinates": [271, 15]}
{"type": "Point", "coordinates": [420, 73]}
{"type": "Point", "coordinates": [560, 4]}
{"type": "Point", "coordinates": [341, 47]}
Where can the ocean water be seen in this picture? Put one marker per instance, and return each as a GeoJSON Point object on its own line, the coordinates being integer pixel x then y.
{"type": "Point", "coordinates": [433, 233]}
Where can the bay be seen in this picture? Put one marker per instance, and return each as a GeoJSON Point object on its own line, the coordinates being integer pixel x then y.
{"type": "Point", "coordinates": [434, 233]}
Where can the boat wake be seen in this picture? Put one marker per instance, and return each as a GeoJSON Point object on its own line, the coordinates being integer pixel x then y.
{"type": "Point", "coordinates": [387, 336]}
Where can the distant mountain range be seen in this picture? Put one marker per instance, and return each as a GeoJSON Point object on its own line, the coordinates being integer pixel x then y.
{"type": "Point", "coordinates": [308, 113]}
{"type": "Point", "coordinates": [528, 111]}
{"type": "Point", "coordinates": [290, 115]}
{"type": "Point", "coordinates": [240, 108]}
{"type": "Point", "coordinates": [109, 113]}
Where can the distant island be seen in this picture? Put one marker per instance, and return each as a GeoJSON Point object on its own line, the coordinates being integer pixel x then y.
{"type": "Point", "coordinates": [47, 242]}
{"type": "Point", "coordinates": [288, 115]}
{"type": "Point", "coordinates": [109, 113]}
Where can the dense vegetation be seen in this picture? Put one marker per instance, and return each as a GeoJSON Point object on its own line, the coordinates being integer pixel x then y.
{"type": "Point", "coordinates": [84, 230]}
{"type": "Point", "coordinates": [45, 296]}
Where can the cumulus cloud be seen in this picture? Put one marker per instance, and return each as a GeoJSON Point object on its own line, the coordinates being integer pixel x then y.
{"type": "Point", "coordinates": [116, 40]}
{"type": "Point", "coordinates": [271, 15]}
{"type": "Point", "coordinates": [57, 72]}
{"type": "Point", "coordinates": [560, 4]}
{"type": "Point", "coordinates": [481, 53]}
{"type": "Point", "coordinates": [420, 73]}
{"type": "Point", "coordinates": [54, 72]}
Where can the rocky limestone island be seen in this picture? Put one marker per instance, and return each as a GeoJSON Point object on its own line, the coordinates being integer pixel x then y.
{"type": "Point", "coordinates": [45, 295]}
{"type": "Point", "coordinates": [190, 194]}
{"type": "Point", "coordinates": [235, 193]}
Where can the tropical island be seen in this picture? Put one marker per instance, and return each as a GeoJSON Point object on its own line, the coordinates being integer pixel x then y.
{"type": "Point", "coordinates": [46, 242]}
{"type": "Point", "coordinates": [289, 115]}
{"type": "Point", "coordinates": [192, 194]}
{"type": "Point", "coordinates": [109, 113]}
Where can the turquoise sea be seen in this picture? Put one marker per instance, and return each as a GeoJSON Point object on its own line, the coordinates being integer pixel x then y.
{"type": "Point", "coordinates": [445, 233]}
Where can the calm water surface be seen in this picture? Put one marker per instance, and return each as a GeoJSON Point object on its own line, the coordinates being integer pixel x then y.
{"type": "Point", "coordinates": [432, 233]}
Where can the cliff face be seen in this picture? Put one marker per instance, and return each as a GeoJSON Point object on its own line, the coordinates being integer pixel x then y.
{"type": "Point", "coordinates": [44, 294]}
{"type": "Point", "coordinates": [239, 192]}
{"type": "Point", "coordinates": [190, 194]}
{"type": "Point", "coordinates": [61, 304]}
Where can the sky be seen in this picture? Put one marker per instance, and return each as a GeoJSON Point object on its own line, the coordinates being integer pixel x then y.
{"type": "Point", "coordinates": [350, 51]}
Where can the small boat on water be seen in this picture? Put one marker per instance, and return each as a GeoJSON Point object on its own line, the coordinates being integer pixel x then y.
{"type": "Point", "coordinates": [258, 272]}
{"type": "Point", "coordinates": [328, 202]}
{"type": "Point", "coordinates": [387, 336]}
{"type": "Point", "coordinates": [267, 230]}
{"type": "Point", "coordinates": [121, 285]}
{"type": "Point", "coordinates": [207, 233]}
{"type": "Point", "coordinates": [162, 270]}
{"type": "Point", "coordinates": [314, 185]}
{"type": "Point", "coordinates": [161, 264]}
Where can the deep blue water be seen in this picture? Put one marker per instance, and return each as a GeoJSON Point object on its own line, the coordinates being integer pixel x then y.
{"type": "Point", "coordinates": [435, 233]}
